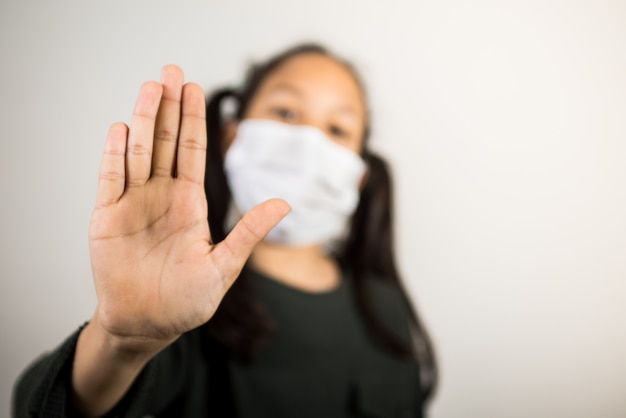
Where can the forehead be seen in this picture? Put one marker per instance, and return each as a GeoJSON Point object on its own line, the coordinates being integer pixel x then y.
{"type": "Point", "coordinates": [316, 74]}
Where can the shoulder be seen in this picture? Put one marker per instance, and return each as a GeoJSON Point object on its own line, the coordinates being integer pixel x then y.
{"type": "Point", "coordinates": [386, 294]}
{"type": "Point", "coordinates": [391, 305]}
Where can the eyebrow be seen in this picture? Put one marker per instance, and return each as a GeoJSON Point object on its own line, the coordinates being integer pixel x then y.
{"type": "Point", "coordinates": [295, 91]}
{"type": "Point", "coordinates": [286, 87]}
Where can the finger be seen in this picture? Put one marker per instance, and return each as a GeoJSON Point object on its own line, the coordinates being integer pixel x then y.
{"type": "Point", "coordinates": [167, 122]}
{"type": "Point", "coordinates": [235, 249]}
{"type": "Point", "coordinates": [191, 155]}
{"type": "Point", "coordinates": [111, 179]}
{"type": "Point", "coordinates": [141, 134]}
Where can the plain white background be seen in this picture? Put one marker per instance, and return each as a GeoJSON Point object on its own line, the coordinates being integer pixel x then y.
{"type": "Point", "coordinates": [505, 122]}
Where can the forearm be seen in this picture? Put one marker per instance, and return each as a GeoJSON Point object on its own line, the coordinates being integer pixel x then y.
{"type": "Point", "coordinates": [103, 371]}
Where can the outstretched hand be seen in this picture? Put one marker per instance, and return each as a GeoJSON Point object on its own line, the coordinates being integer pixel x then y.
{"type": "Point", "coordinates": [157, 273]}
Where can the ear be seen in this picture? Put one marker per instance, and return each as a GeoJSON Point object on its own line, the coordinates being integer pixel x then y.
{"type": "Point", "coordinates": [229, 134]}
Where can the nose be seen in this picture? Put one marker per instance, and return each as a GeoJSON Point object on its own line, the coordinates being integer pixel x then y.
{"type": "Point", "coordinates": [314, 120]}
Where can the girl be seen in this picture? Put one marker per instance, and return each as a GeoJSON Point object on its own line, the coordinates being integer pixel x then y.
{"type": "Point", "coordinates": [316, 322]}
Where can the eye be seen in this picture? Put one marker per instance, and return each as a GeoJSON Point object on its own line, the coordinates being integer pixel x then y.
{"type": "Point", "coordinates": [284, 113]}
{"type": "Point", "coordinates": [337, 132]}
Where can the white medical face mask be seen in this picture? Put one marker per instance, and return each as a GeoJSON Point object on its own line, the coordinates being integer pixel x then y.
{"type": "Point", "coordinates": [300, 164]}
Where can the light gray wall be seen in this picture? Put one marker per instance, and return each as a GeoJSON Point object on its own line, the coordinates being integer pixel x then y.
{"type": "Point", "coordinates": [505, 123]}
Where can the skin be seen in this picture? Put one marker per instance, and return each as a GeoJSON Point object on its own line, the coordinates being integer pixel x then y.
{"type": "Point", "coordinates": [149, 241]}
{"type": "Point", "coordinates": [314, 89]}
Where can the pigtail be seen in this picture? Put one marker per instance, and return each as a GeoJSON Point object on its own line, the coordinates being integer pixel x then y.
{"type": "Point", "coordinates": [369, 252]}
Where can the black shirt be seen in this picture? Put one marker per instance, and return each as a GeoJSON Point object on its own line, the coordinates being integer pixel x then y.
{"type": "Point", "coordinates": [320, 362]}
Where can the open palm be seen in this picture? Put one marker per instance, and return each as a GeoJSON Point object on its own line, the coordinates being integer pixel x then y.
{"type": "Point", "coordinates": [156, 271]}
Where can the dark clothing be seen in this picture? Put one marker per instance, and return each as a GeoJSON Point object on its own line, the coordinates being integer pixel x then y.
{"type": "Point", "coordinates": [320, 362]}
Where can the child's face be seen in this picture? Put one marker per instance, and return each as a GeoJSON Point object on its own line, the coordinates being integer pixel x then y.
{"type": "Point", "coordinates": [313, 89]}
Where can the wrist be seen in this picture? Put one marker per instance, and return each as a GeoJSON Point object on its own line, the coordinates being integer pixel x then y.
{"type": "Point", "coordinates": [122, 348]}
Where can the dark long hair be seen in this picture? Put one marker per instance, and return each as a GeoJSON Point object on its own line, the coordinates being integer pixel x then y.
{"type": "Point", "coordinates": [240, 323]}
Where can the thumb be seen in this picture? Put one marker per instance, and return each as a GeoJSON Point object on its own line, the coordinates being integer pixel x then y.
{"type": "Point", "coordinates": [235, 249]}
